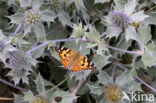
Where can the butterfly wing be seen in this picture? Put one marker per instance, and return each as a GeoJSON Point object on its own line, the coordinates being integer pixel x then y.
{"type": "Point", "coordinates": [66, 55]}
{"type": "Point", "coordinates": [86, 64]}
{"type": "Point", "coordinates": [83, 64]}
{"type": "Point", "coordinates": [78, 64]}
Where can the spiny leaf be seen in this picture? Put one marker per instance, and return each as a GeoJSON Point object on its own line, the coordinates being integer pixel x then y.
{"type": "Point", "coordinates": [144, 34]}
{"type": "Point", "coordinates": [101, 1]}
{"type": "Point", "coordinates": [104, 78]}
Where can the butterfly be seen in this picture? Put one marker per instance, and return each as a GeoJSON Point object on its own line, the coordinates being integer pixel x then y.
{"type": "Point", "coordinates": [73, 60]}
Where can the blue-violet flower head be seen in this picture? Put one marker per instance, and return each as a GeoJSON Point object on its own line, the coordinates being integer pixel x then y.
{"type": "Point", "coordinates": [17, 59]}
{"type": "Point", "coordinates": [120, 20]}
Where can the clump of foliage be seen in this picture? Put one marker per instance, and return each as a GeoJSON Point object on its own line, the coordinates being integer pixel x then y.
{"type": "Point", "coordinates": [118, 36]}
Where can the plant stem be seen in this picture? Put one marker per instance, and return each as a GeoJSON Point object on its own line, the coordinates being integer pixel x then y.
{"type": "Point", "coordinates": [122, 67]}
{"type": "Point", "coordinates": [37, 47]}
{"type": "Point", "coordinates": [82, 81]}
{"type": "Point", "coordinates": [12, 85]}
{"type": "Point", "coordinates": [150, 9]}
{"type": "Point", "coordinates": [113, 72]}
{"type": "Point", "coordinates": [140, 80]}
{"type": "Point", "coordinates": [17, 29]}
{"type": "Point", "coordinates": [64, 40]}
{"type": "Point", "coordinates": [147, 85]}
{"type": "Point", "coordinates": [130, 52]}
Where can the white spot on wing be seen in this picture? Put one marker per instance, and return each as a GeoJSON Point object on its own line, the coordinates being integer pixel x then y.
{"type": "Point", "coordinates": [62, 48]}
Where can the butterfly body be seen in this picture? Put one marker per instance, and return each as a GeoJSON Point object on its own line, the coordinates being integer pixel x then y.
{"type": "Point", "coordinates": [73, 60]}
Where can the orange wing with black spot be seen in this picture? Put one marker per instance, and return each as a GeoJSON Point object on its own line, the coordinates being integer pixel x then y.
{"type": "Point", "coordinates": [73, 60]}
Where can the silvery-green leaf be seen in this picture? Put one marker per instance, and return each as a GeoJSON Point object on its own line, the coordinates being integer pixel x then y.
{"type": "Point", "coordinates": [130, 7]}
{"type": "Point", "coordinates": [79, 4]}
{"type": "Point", "coordinates": [28, 96]}
{"type": "Point", "coordinates": [123, 44]}
{"type": "Point", "coordinates": [113, 31]}
{"type": "Point", "coordinates": [91, 45]}
{"type": "Point", "coordinates": [124, 78]}
{"type": "Point", "coordinates": [83, 90]}
{"type": "Point", "coordinates": [40, 84]}
{"type": "Point", "coordinates": [68, 2]}
{"type": "Point", "coordinates": [22, 41]}
{"type": "Point", "coordinates": [2, 57]}
{"type": "Point", "coordinates": [139, 16]}
{"type": "Point", "coordinates": [10, 48]}
{"type": "Point", "coordinates": [39, 52]}
{"type": "Point", "coordinates": [64, 18]}
{"type": "Point", "coordinates": [48, 15]}
{"type": "Point", "coordinates": [151, 20]}
{"type": "Point", "coordinates": [101, 1]}
{"type": "Point", "coordinates": [36, 4]}
{"type": "Point", "coordinates": [32, 61]}
{"type": "Point", "coordinates": [95, 89]}
{"type": "Point", "coordinates": [101, 48]}
{"type": "Point", "coordinates": [17, 18]}
{"type": "Point", "coordinates": [25, 79]}
{"type": "Point", "coordinates": [86, 16]}
{"type": "Point", "coordinates": [130, 33]}
{"type": "Point", "coordinates": [10, 2]}
{"type": "Point", "coordinates": [148, 57]}
{"type": "Point", "coordinates": [104, 78]}
{"type": "Point", "coordinates": [39, 30]}
{"type": "Point", "coordinates": [93, 34]}
{"type": "Point", "coordinates": [127, 82]}
{"type": "Point", "coordinates": [104, 100]}
{"type": "Point", "coordinates": [71, 83]}
{"type": "Point", "coordinates": [144, 33]}
{"type": "Point", "coordinates": [27, 28]}
{"type": "Point", "coordinates": [54, 54]}
{"type": "Point", "coordinates": [19, 75]}
{"type": "Point", "coordinates": [120, 3]}
{"type": "Point", "coordinates": [100, 61]}
{"type": "Point", "coordinates": [2, 36]}
{"type": "Point", "coordinates": [137, 63]}
{"type": "Point", "coordinates": [17, 100]}
{"type": "Point", "coordinates": [79, 75]}
{"type": "Point", "coordinates": [25, 3]}
{"type": "Point", "coordinates": [57, 32]}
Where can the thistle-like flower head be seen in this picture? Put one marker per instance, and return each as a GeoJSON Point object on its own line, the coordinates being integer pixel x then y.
{"type": "Point", "coordinates": [41, 100]}
{"type": "Point", "coordinates": [32, 17]}
{"type": "Point", "coordinates": [120, 19]}
{"type": "Point", "coordinates": [57, 5]}
{"type": "Point", "coordinates": [17, 59]}
{"type": "Point", "coordinates": [79, 30]}
{"type": "Point", "coordinates": [113, 93]}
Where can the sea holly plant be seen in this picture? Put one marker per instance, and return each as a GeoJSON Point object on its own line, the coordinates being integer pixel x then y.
{"type": "Point", "coordinates": [122, 18]}
{"type": "Point", "coordinates": [78, 51]}
{"type": "Point", "coordinates": [32, 19]}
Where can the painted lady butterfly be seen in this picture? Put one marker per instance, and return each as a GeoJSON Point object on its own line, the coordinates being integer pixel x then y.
{"type": "Point", "coordinates": [73, 60]}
